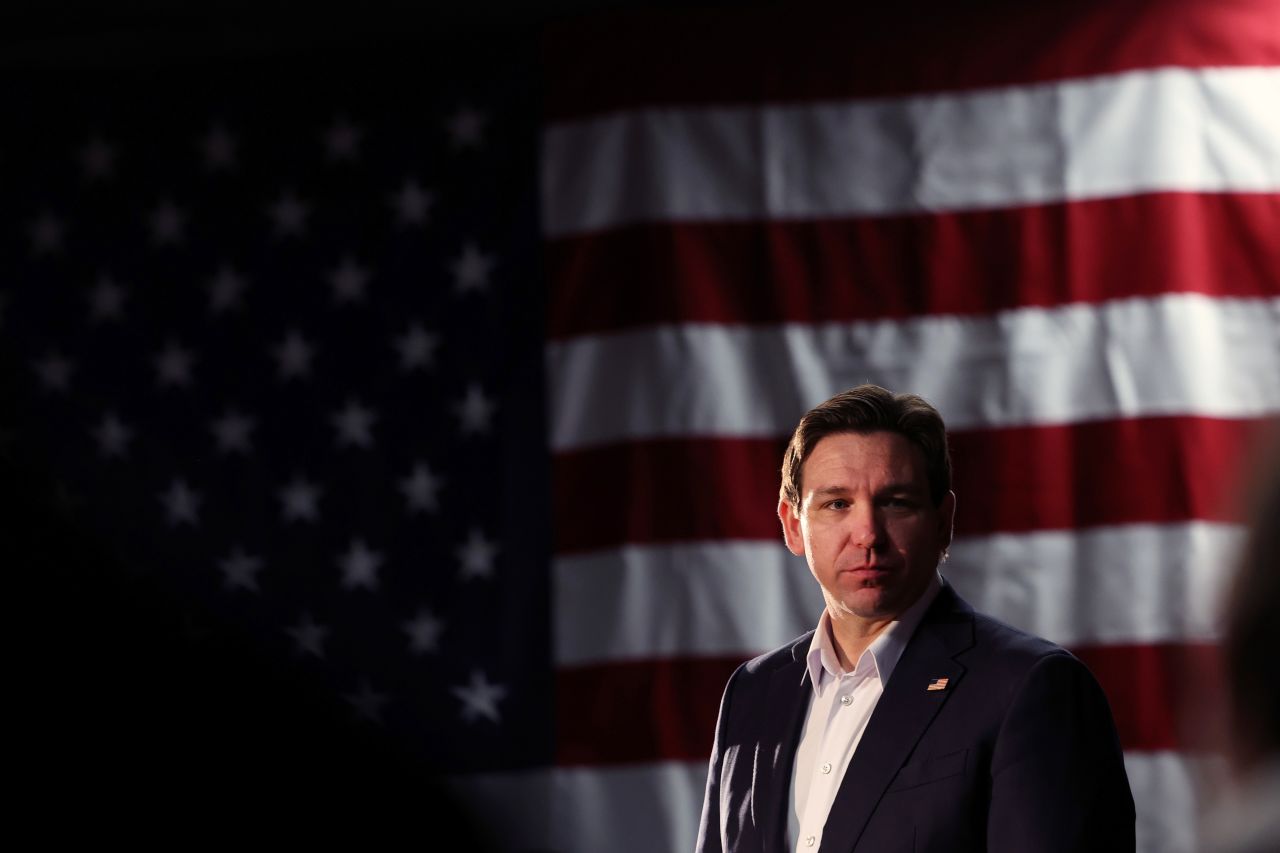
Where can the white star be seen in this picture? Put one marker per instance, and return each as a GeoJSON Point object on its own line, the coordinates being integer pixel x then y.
{"type": "Point", "coordinates": [225, 289]}
{"type": "Point", "coordinates": [181, 503]}
{"type": "Point", "coordinates": [289, 215]}
{"type": "Point", "coordinates": [219, 148]}
{"type": "Point", "coordinates": [46, 232]}
{"type": "Point", "coordinates": [299, 501]}
{"type": "Point", "coordinates": [293, 356]}
{"type": "Point", "coordinates": [368, 702]}
{"type": "Point", "coordinates": [474, 411]}
{"type": "Point", "coordinates": [106, 300]}
{"type": "Point", "coordinates": [412, 203]}
{"type": "Point", "coordinates": [241, 570]}
{"type": "Point", "coordinates": [466, 128]}
{"type": "Point", "coordinates": [476, 556]}
{"type": "Point", "coordinates": [348, 281]}
{"type": "Point", "coordinates": [360, 566]}
{"type": "Point", "coordinates": [417, 347]}
{"type": "Point", "coordinates": [480, 698]}
{"type": "Point", "coordinates": [471, 270]}
{"type": "Point", "coordinates": [113, 436]}
{"type": "Point", "coordinates": [342, 141]}
{"type": "Point", "coordinates": [354, 424]}
{"type": "Point", "coordinates": [173, 366]}
{"type": "Point", "coordinates": [231, 431]}
{"type": "Point", "coordinates": [419, 489]}
{"type": "Point", "coordinates": [168, 224]}
{"type": "Point", "coordinates": [309, 636]}
{"type": "Point", "coordinates": [54, 371]}
{"type": "Point", "coordinates": [98, 159]}
{"type": "Point", "coordinates": [424, 632]}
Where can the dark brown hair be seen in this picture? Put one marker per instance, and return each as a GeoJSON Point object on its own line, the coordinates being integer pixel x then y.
{"type": "Point", "coordinates": [870, 408]}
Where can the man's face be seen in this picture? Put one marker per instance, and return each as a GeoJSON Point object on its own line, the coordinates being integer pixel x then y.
{"type": "Point", "coordinates": [866, 523]}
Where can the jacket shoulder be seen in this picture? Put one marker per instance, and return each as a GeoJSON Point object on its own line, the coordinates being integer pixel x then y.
{"type": "Point", "coordinates": [1012, 652]}
{"type": "Point", "coordinates": [772, 661]}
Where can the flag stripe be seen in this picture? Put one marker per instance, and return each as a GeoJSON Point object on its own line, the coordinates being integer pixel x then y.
{"type": "Point", "coordinates": [700, 599]}
{"type": "Point", "coordinates": [1157, 469]}
{"type": "Point", "coordinates": [647, 808]}
{"type": "Point", "coordinates": [1154, 691]}
{"type": "Point", "coordinates": [1102, 137]}
{"type": "Point", "coordinates": [936, 263]}
{"type": "Point", "coordinates": [668, 706]}
{"type": "Point", "coordinates": [1175, 354]}
{"type": "Point", "coordinates": [1169, 791]}
{"type": "Point", "coordinates": [766, 55]}
{"type": "Point", "coordinates": [1141, 583]}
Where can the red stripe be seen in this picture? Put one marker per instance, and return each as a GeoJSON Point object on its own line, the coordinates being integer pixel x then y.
{"type": "Point", "coordinates": [665, 710]}
{"type": "Point", "coordinates": [972, 262]}
{"type": "Point", "coordinates": [656, 710]}
{"type": "Point", "coordinates": [1162, 696]}
{"type": "Point", "coordinates": [675, 490]}
{"type": "Point", "coordinates": [1164, 469]}
{"type": "Point", "coordinates": [778, 53]}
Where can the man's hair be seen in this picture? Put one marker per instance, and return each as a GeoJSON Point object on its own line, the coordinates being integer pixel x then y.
{"type": "Point", "coordinates": [865, 409]}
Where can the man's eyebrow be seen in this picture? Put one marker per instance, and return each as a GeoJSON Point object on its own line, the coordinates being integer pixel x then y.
{"type": "Point", "coordinates": [831, 490]}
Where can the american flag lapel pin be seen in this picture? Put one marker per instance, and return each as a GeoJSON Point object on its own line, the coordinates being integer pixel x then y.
{"type": "Point", "coordinates": [937, 684]}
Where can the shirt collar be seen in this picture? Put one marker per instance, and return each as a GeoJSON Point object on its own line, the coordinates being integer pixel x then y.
{"type": "Point", "coordinates": [885, 650]}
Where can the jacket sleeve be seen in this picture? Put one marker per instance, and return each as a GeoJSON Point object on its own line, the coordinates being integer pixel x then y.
{"type": "Point", "coordinates": [709, 840]}
{"type": "Point", "coordinates": [1058, 781]}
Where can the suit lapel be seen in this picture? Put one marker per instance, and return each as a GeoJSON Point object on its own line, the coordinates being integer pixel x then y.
{"type": "Point", "coordinates": [901, 717]}
{"type": "Point", "coordinates": [789, 693]}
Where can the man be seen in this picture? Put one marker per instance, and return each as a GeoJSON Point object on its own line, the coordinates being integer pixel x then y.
{"type": "Point", "coordinates": [905, 721]}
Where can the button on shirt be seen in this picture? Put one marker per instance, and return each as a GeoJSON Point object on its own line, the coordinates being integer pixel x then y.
{"type": "Point", "coordinates": [839, 709]}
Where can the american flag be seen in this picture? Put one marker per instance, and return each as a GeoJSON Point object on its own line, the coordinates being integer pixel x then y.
{"type": "Point", "coordinates": [274, 454]}
{"type": "Point", "coordinates": [475, 427]}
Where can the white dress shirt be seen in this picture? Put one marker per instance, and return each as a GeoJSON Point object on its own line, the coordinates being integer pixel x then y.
{"type": "Point", "coordinates": [839, 709]}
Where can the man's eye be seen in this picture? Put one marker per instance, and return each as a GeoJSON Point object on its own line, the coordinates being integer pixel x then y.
{"type": "Point", "coordinates": [838, 504]}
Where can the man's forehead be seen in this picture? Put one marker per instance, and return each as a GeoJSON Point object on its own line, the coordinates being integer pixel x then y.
{"type": "Point", "coordinates": [855, 454]}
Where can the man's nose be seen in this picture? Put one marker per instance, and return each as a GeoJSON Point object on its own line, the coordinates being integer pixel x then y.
{"type": "Point", "coordinates": [865, 526]}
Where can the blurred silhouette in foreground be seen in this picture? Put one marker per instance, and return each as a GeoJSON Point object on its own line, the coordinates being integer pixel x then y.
{"type": "Point", "coordinates": [1248, 818]}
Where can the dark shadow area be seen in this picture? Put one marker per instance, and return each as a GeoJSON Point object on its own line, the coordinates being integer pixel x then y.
{"type": "Point", "coordinates": [141, 716]}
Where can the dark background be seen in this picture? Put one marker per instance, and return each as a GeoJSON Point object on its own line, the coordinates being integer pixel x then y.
{"type": "Point", "coordinates": [144, 713]}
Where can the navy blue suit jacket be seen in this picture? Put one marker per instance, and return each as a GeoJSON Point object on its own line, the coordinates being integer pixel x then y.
{"type": "Point", "coordinates": [1018, 753]}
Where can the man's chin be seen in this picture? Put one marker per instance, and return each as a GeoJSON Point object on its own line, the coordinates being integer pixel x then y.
{"type": "Point", "coordinates": [868, 602]}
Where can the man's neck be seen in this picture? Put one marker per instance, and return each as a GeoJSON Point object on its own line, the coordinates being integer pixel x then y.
{"type": "Point", "coordinates": [851, 634]}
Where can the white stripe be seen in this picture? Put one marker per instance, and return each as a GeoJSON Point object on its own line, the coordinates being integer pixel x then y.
{"type": "Point", "coordinates": [1170, 790]}
{"type": "Point", "coordinates": [1172, 354]}
{"type": "Point", "coordinates": [654, 808]}
{"type": "Point", "coordinates": [1140, 583]}
{"type": "Point", "coordinates": [647, 808]}
{"type": "Point", "coordinates": [701, 598]}
{"type": "Point", "coordinates": [1136, 583]}
{"type": "Point", "coordinates": [1169, 129]}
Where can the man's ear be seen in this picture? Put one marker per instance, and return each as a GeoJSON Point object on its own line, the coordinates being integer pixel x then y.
{"type": "Point", "coordinates": [947, 520]}
{"type": "Point", "coordinates": [791, 532]}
